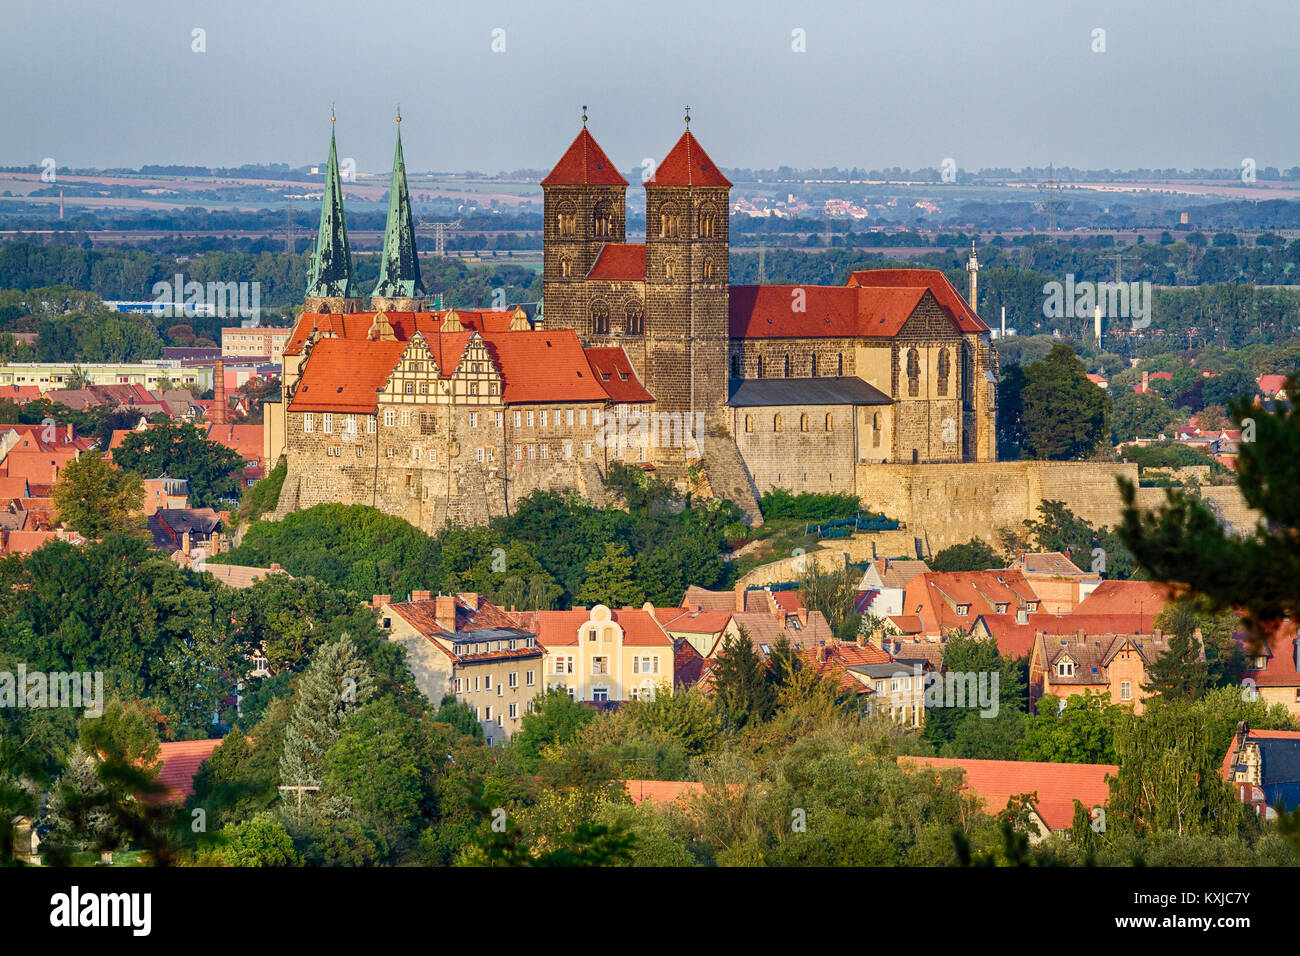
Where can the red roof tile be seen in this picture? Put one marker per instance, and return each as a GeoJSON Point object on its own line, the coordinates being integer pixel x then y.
{"type": "Point", "coordinates": [584, 163]}
{"type": "Point", "coordinates": [687, 164]}
{"type": "Point", "coordinates": [768, 311]}
{"type": "Point", "coordinates": [180, 761]}
{"type": "Point", "coordinates": [663, 791]}
{"type": "Point", "coordinates": [1058, 785]}
{"type": "Point", "coordinates": [620, 262]}
{"type": "Point", "coordinates": [345, 375]}
{"type": "Point", "coordinates": [950, 300]}
{"type": "Point", "coordinates": [614, 374]}
{"type": "Point", "coordinates": [560, 628]}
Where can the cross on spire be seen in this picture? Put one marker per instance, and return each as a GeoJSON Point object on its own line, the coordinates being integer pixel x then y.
{"type": "Point", "coordinates": [399, 112]}
{"type": "Point", "coordinates": [584, 114]}
{"type": "Point", "coordinates": [688, 116]}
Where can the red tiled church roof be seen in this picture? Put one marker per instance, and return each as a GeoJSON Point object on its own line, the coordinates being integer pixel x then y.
{"type": "Point", "coordinates": [687, 164]}
{"type": "Point", "coordinates": [950, 300]}
{"type": "Point", "coordinates": [343, 375]}
{"type": "Point", "coordinates": [614, 374]}
{"type": "Point", "coordinates": [584, 163]}
{"type": "Point", "coordinates": [620, 262]}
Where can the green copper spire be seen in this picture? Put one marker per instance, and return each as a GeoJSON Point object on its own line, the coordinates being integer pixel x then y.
{"type": "Point", "coordinates": [331, 264]}
{"type": "Point", "coordinates": [399, 268]}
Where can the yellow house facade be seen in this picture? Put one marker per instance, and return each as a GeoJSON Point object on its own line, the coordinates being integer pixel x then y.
{"type": "Point", "coordinates": [602, 655]}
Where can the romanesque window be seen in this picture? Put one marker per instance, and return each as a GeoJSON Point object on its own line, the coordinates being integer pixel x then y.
{"type": "Point", "coordinates": [566, 220]}
{"type": "Point", "coordinates": [803, 422]}
{"type": "Point", "coordinates": [777, 422]}
{"type": "Point", "coordinates": [760, 366]}
{"type": "Point", "coordinates": [841, 366]}
{"type": "Point", "coordinates": [828, 421]}
{"type": "Point", "coordinates": [708, 267]}
{"type": "Point", "coordinates": [602, 220]}
{"type": "Point", "coordinates": [670, 222]}
{"type": "Point", "coordinates": [945, 366]}
{"type": "Point", "coordinates": [600, 319]}
{"type": "Point", "coordinates": [670, 269]}
{"type": "Point", "coordinates": [875, 430]}
{"type": "Point", "coordinates": [708, 222]}
{"type": "Point", "coordinates": [635, 318]}
{"type": "Point", "coordinates": [787, 364]}
{"type": "Point", "coordinates": [749, 424]}
{"type": "Point", "coordinates": [813, 369]}
{"type": "Point", "coordinates": [566, 267]}
{"type": "Point", "coordinates": [913, 373]}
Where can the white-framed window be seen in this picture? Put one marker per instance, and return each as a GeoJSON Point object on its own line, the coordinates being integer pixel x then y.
{"type": "Point", "coordinates": [595, 417]}
{"type": "Point", "coordinates": [406, 417]}
{"type": "Point", "coordinates": [415, 452]}
{"type": "Point", "coordinates": [500, 419]}
{"type": "Point", "coordinates": [600, 694]}
{"type": "Point", "coordinates": [519, 419]}
{"type": "Point", "coordinates": [1065, 669]}
{"type": "Point", "coordinates": [350, 424]}
{"type": "Point", "coordinates": [487, 713]}
{"type": "Point", "coordinates": [582, 416]}
{"type": "Point", "coordinates": [568, 449]}
{"type": "Point", "coordinates": [544, 450]}
{"type": "Point", "coordinates": [308, 423]}
{"type": "Point", "coordinates": [500, 688]}
{"type": "Point", "coordinates": [473, 419]}
{"type": "Point", "coordinates": [568, 416]}
{"type": "Point", "coordinates": [1125, 690]}
{"type": "Point", "coordinates": [543, 421]}
{"type": "Point", "coordinates": [586, 449]}
{"type": "Point", "coordinates": [530, 418]}
{"type": "Point", "coordinates": [499, 721]}
{"type": "Point", "coordinates": [410, 388]}
{"type": "Point", "coordinates": [333, 451]}
{"type": "Point", "coordinates": [476, 684]}
{"type": "Point", "coordinates": [370, 424]}
{"type": "Point", "coordinates": [487, 681]}
{"type": "Point", "coordinates": [514, 678]}
{"type": "Point", "coordinates": [456, 685]}
{"type": "Point", "coordinates": [514, 711]}
{"type": "Point", "coordinates": [389, 416]}
{"type": "Point", "coordinates": [563, 664]}
{"type": "Point", "coordinates": [389, 452]}
{"type": "Point", "coordinates": [480, 454]}
{"type": "Point", "coordinates": [327, 423]}
{"type": "Point", "coordinates": [519, 452]}
{"type": "Point", "coordinates": [532, 452]}
{"type": "Point", "coordinates": [600, 665]}
{"type": "Point", "coordinates": [529, 678]}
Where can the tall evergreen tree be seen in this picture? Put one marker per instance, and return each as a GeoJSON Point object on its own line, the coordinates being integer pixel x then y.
{"type": "Point", "coordinates": [742, 684]}
{"type": "Point", "coordinates": [610, 580]}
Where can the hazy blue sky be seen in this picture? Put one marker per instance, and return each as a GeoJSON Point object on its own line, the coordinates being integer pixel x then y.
{"type": "Point", "coordinates": [905, 82]}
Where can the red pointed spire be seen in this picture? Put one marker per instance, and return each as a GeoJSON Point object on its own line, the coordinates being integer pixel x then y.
{"type": "Point", "coordinates": [687, 164]}
{"type": "Point", "coordinates": [584, 163]}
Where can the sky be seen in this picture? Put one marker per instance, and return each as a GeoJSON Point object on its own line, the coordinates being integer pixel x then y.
{"type": "Point", "coordinates": [907, 83]}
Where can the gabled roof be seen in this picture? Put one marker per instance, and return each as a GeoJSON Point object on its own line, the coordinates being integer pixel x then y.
{"type": "Point", "coordinates": [1280, 650]}
{"type": "Point", "coordinates": [1049, 562]}
{"type": "Point", "coordinates": [343, 375]}
{"type": "Point", "coordinates": [620, 262]}
{"type": "Point", "coordinates": [804, 311]}
{"type": "Point", "coordinates": [950, 300]}
{"type": "Point", "coordinates": [687, 164]}
{"type": "Point", "coordinates": [1147, 598]}
{"type": "Point", "coordinates": [180, 761]}
{"type": "Point", "coordinates": [584, 163]}
{"type": "Point", "coordinates": [560, 628]}
{"type": "Point", "coordinates": [1058, 785]}
{"type": "Point", "coordinates": [614, 374]}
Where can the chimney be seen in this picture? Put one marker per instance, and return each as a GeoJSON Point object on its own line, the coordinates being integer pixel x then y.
{"type": "Point", "coordinates": [423, 596]}
{"type": "Point", "coordinates": [219, 416]}
{"type": "Point", "coordinates": [1144, 381]}
{"type": "Point", "coordinates": [275, 568]}
{"type": "Point", "coordinates": [444, 611]}
{"type": "Point", "coordinates": [378, 601]}
{"type": "Point", "coordinates": [72, 433]}
{"type": "Point", "coordinates": [185, 541]}
{"type": "Point", "coordinates": [740, 598]}
{"type": "Point", "coordinates": [803, 616]}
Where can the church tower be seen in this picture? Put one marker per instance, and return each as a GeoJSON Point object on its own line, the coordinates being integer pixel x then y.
{"type": "Point", "coordinates": [330, 283]}
{"type": "Point", "coordinates": [585, 207]}
{"type": "Point", "coordinates": [400, 288]}
{"type": "Point", "coordinates": [687, 276]}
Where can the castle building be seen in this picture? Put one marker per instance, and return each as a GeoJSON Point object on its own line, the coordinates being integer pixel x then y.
{"type": "Point", "coordinates": [645, 354]}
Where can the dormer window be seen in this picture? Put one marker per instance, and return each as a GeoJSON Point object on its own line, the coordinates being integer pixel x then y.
{"type": "Point", "coordinates": [963, 610]}
{"type": "Point", "coordinates": [1002, 608]}
{"type": "Point", "coordinates": [1065, 668]}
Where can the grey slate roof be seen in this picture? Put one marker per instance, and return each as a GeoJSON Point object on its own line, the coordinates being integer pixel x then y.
{"type": "Point", "coordinates": [845, 390]}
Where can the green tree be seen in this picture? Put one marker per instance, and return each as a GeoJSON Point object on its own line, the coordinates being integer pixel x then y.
{"type": "Point", "coordinates": [1065, 415]}
{"type": "Point", "coordinates": [742, 684]}
{"type": "Point", "coordinates": [554, 719]}
{"type": "Point", "coordinates": [1139, 415]}
{"type": "Point", "coordinates": [261, 840]}
{"type": "Point", "coordinates": [181, 451]}
{"type": "Point", "coordinates": [93, 498]}
{"type": "Point", "coordinates": [974, 555]}
{"type": "Point", "coordinates": [460, 715]}
{"type": "Point", "coordinates": [1079, 729]}
{"type": "Point", "coordinates": [686, 716]}
{"type": "Point", "coordinates": [611, 580]}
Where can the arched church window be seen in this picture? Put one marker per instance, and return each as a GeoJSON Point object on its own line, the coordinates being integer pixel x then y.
{"type": "Point", "coordinates": [603, 220]}
{"type": "Point", "coordinates": [913, 373]}
{"type": "Point", "coordinates": [945, 366]}
{"type": "Point", "coordinates": [707, 268]}
{"type": "Point", "coordinates": [778, 423]}
{"type": "Point", "coordinates": [635, 318]}
{"type": "Point", "coordinates": [749, 424]}
{"type": "Point", "coordinates": [708, 222]}
{"type": "Point", "coordinates": [875, 430]}
{"type": "Point", "coordinates": [760, 366]}
{"type": "Point", "coordinates": [803, 422]}
{"type": "Point", "coordinates": [670, 222]}
{"type": "Point", "coordinates": [600, 318]}
{"type": "Point", "coordinates": [735, 366]}
{"type": "Point", "coordinates": [566, 267]}
{"type": "Point", "coordinates": [840, 372]}
{"type": "Point", "coordinates": [787, 364]}
{"type": "Point", "coordinates": [813, 370]}
{"type": "Point", "coordinates": [830, 422]}
{"type": "Point", "coordinates": [670, 269]}
{"type": "Point", "coordinates": [566, 220]}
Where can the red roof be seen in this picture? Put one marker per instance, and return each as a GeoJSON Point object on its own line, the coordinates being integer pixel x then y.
{"type": "Point", "coordinates": [950, 300]}
{"type": "Point", "coordinates": [584, 163]}
{"type": "Point", "coordinates": [620, 262]}
{"type": "Point", "coordinates": [1058, 785]}
{"type": "Point", "coordinates": [244, 439]}
{"type": "Point", "coordinates": [614, 373]}
{"type": "Point", "coordinates": [1279, 647]}
{"type": "Point", "coordinates": [768, 311]}
{"type": "Point", "coordinates": [180, 762]}
{"type": "Point", "coordinates": [687, 164]}
{"type": "Point", "coordinates": [546, 366]}
{"type": "Point", "coordinates": [343, 375]}
{"type": "Point", "coordinates": [663, 791]}
{"type": "Point", "coordinates": [1270, 385]}
{"type": "Point", "coordinates": [560, 628]}
{"type": "Point", "coordinates": [1145, 598]}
